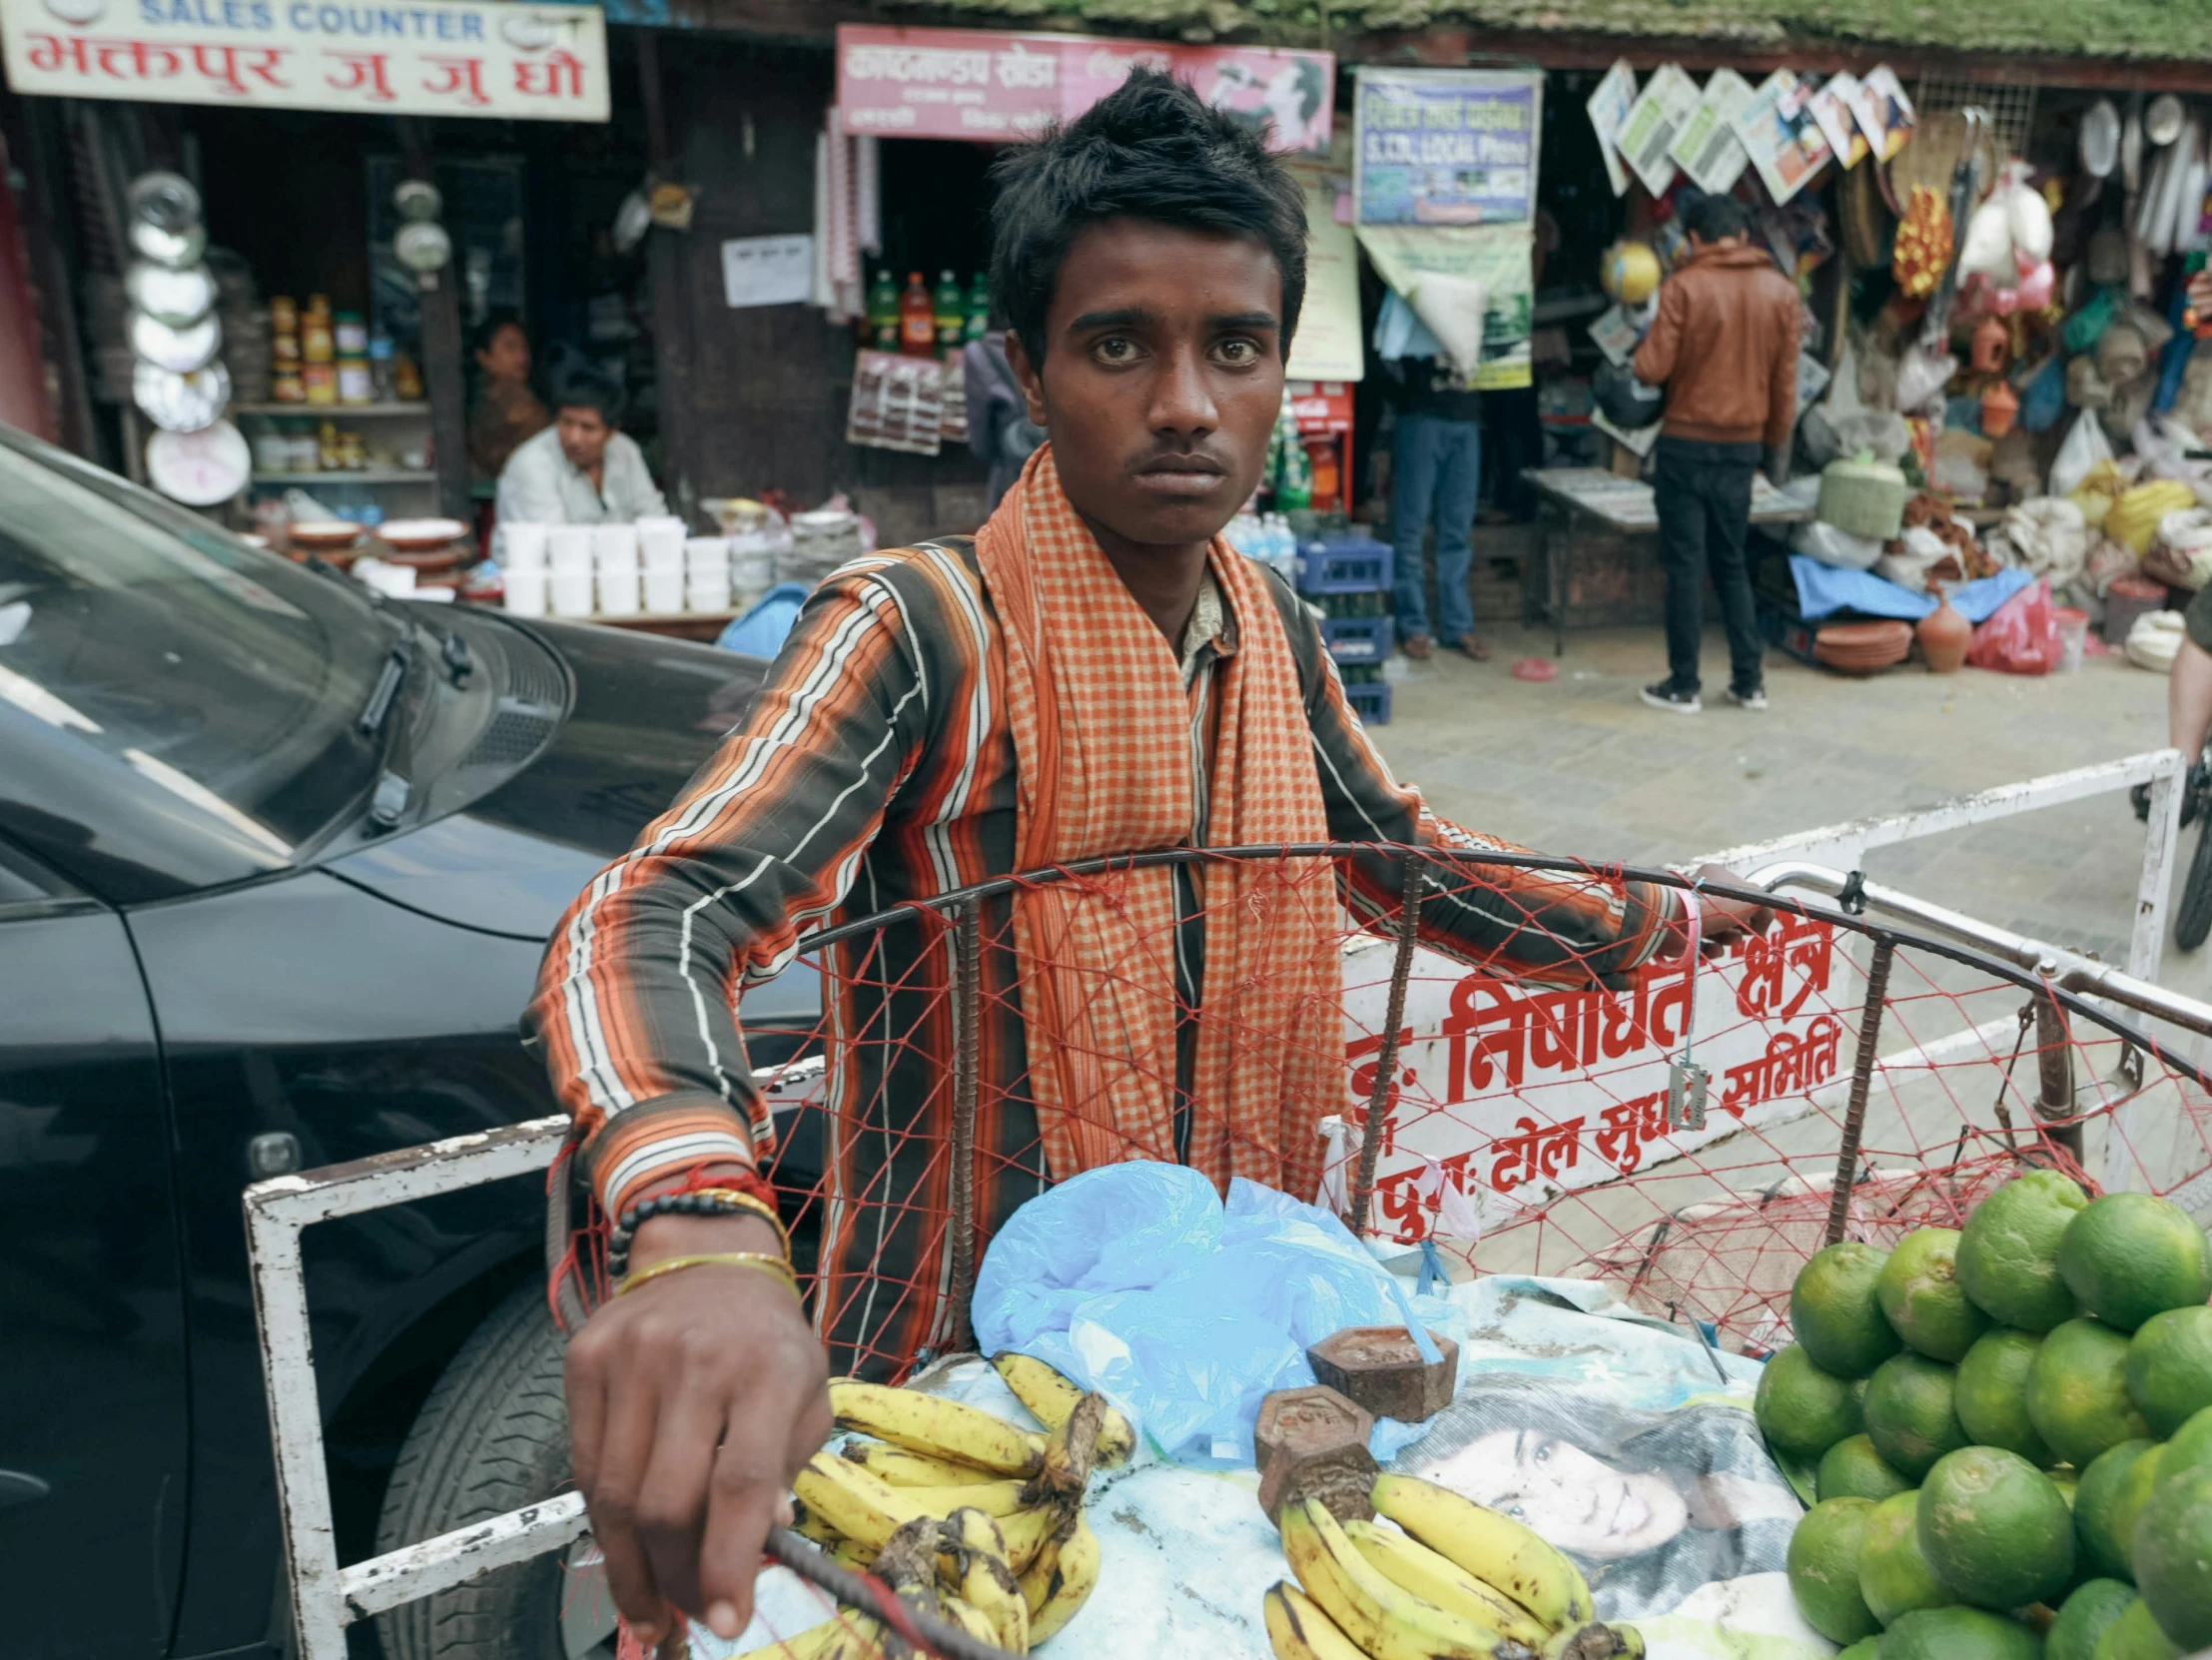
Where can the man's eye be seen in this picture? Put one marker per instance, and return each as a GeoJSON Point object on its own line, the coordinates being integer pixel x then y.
{"type": "Point", "coordinates": [1238, 352]}
{"type": "Point", "coordinates": [1116, 350]}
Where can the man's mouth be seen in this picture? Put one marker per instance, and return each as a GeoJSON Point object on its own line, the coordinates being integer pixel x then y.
{"type": "Point", "coordinates": [1191, 474]}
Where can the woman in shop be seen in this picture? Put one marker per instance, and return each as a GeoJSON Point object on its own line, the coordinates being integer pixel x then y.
{"type": "Point", "coordinates": [506, 411]}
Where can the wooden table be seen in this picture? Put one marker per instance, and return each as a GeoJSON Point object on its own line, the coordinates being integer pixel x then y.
{"type": "Point", "coordinates": [705, 626]}
{"type": "Point", "coordinates": [1578, 504]}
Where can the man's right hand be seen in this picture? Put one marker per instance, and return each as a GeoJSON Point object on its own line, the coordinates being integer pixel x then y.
{"type": "Point", "coordinates": [692, 1404]}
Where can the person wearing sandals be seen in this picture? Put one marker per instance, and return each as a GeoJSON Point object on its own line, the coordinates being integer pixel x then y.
{"type": "Point", "coordinates": [1435, 476]}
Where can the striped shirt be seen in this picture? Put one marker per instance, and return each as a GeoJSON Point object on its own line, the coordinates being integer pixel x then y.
{"type": "Point", "coordinates": [876, 767]}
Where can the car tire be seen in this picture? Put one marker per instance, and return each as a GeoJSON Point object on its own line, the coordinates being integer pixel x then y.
{"type": "Point", "coordinates": [493, 1438]}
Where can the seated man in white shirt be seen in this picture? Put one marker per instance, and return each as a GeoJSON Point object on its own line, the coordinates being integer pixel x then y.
{"type": "Point", "coordinates": [579, 470]}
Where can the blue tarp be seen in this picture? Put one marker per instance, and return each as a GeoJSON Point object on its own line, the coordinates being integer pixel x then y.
{"type": "Point", "coordinates": [1822, 590]}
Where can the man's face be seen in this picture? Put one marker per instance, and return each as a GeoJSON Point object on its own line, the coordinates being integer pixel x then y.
{"type": "Point", "coordinates": [1161, 379]}
{"type": "Point", "coordinates": [584, 435]}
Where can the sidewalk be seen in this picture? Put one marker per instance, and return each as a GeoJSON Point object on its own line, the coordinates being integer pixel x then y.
{"type": "Point", "coordinates": [1580, 765]}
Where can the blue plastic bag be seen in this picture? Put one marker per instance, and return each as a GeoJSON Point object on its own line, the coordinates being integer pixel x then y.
{"type": "Point", "coordinates": [760, 632]}
{"type": "Point", "coordinates": [1136, 1280]}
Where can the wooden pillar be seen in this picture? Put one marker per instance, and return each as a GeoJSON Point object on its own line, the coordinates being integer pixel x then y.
{"type": "Point", "coordinates": [674, 347]}
{"type": "Point", "coordinates": [443, 376]}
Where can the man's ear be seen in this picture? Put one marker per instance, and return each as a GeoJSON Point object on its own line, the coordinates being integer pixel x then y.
{"type": "Point", "coordinates": [1026, 376]}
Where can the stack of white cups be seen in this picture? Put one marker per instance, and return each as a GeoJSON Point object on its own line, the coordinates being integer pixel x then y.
{"type": "Point", "coordinates": [522, 565]}
{"type": "Point", "coordinates": [752, 566]}
{"type": "Point", "coordinates": [660, 541]}
{"type": "Point", "coordinates": [707, 573]}
{"type": "Point", "coordinates": [568, 559]}
{"type": "Point", "coordinates": [614, 555]}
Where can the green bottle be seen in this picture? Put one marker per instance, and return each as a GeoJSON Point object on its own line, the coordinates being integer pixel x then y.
{"type": "Point", "coordinates": [1294, 488]}
{"type": "Point", "coordinates": [883, 313]}
{"type": "Point", "coordinates": [979, 307]}
{"type": "Point", "coordinates": [948, 310]}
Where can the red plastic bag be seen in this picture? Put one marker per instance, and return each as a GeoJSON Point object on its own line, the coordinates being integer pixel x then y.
{"type": "Point", "coordinates": [2020, 636]}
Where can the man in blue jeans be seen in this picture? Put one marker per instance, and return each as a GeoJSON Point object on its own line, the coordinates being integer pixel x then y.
{"type": "Point", "coordinates": [1435, 476]}
{"type": "Point", "coordinates": [1725, 345]}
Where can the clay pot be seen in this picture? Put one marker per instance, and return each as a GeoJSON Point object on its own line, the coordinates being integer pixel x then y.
{"type": "Point", "coordinates": [1945, 636]}
{"type": "Point", "coordinates": [1999, 406]}
{"type": "Point", "coordinates": [1992, 343]}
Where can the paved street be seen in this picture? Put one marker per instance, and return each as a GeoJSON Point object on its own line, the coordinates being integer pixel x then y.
{"type": "Point", "coordinates": [1579, 765]}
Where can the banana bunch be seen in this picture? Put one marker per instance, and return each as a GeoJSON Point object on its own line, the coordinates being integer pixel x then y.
{"type": "Point", "coordinates": [1450, 1581]}
{"type": "Point", "coordinates": [958, 1510]}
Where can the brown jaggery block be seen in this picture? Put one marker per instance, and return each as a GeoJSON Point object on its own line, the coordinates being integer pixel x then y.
{"type": "Point", "coordinates": [1313, 1443]}
{"type": "Point", "coordinates": [1378, 1367]}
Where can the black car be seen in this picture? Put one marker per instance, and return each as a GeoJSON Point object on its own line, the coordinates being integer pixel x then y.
{"type": "Point", "coordinates": [278, 861]}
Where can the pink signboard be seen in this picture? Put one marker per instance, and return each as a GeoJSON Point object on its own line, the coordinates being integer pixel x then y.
{"type": "Point", "coordinates": [972, 84]}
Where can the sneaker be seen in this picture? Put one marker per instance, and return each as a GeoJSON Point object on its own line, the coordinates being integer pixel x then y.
{"type": "Point", "coordinates": [1667, 695]}
{"type": "Point", "coordinates": [1754, 700]}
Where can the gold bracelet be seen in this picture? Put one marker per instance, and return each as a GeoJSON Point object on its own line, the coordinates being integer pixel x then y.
{"type": "Point", "coordinates": [762, 1261]}
{"type": "Point", "coordinates": [753, 1203]}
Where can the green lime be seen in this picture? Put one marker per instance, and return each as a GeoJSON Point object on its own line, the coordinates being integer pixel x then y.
{"type": "Point", "coordinates": [1920, 1295]}
{"type": "Point", "coordinates": [1993, 1393]}
{"type": "Point", "coordinates": [1994, 1530]}
{"type": "Point", "coordinates": [1836, 1314]}
{"type": "Point", "coordinates": [2190, 1446]}
{"type": "Point", "coordinates": [2077, 1391]}
{"type": "Point", "coordinates": [2114, 1489]}
{"type": "Point", "coordinates": [2008, 1252]}
{"type": "Point", "coordinates": [2087, 1614]}
{"type": "Point", "coordinates": [1801, 1410]}
{"type": "Point", "coordinates": [1867, 1648]}
{"type": "Point", "coordinates": [1910, 1417]}
{"type": "Point", "coordinates": [1894, 1575]}
{"type": "Point", "coordinates": [2173, 1556]}
{"type": "Point", "coordinates": [2169, 1367]}
{"type": "Point", "coordinates": [1959, 1634]}
{"type": "Point", "coordinates": [1824, 1569]}
{"type": "Point", "coordinates": [2135, 1636]}
{"type": "Point", "coordinates": [1851, 1468]}
{"type": "Point", "coordinates": [2131, 1255]}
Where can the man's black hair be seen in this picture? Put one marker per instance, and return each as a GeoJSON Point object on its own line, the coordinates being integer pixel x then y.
{"type": "Point", "coordinates": [1710, 218]}
{"type": "Point", "coordinates": [1151, 150]}
{"type": "Point", "coordinates": [585, 388]}
{"type": "Point", "coordinates": [488, 329]}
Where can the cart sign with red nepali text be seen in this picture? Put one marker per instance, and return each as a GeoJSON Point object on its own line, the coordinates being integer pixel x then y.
{"type": "Point", "coordinates": [515, 62]}
{"type": "Point", "coordinates": [973, 84]}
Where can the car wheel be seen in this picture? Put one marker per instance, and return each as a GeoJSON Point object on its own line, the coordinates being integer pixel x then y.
{"type": "Point", "coordinates": [493, 1436]}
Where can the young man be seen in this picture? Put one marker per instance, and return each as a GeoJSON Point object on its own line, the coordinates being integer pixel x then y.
{"type": "Point", "coordinates": [1435, 478]}
{"type": "Point", "coordinates": [1096, 672]}
{"type": "Point", "coordinates": [1725, 345]}
{"type": "Point", "coordinates": [579, 470]}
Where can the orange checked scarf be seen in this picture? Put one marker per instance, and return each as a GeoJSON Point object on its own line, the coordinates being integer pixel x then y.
{"type": "Point", "coordinates": [1101, 729]}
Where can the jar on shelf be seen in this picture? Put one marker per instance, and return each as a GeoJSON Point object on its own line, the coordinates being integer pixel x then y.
{"type": "Point", "coordinates": [319, 380]}
{"type": "Point", "coordinates": [318, 339]}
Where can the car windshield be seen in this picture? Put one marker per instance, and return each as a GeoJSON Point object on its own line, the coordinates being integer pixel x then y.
{"type": "Point", "coordinates": [224, 676]}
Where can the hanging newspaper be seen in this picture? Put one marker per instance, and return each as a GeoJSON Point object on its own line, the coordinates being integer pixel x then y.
{"type": "Point", "coordinates": [1833, 108]}
{"type": "Point", "coordinates": [1885, 114]}
{"type": "Point", "coordinates": [1609, 107]}
{"type": "Point", "coordinates": [1706, 147]}
{"type": "Point", "coordinates": [1785, 142]}
{"type": "Point", "coordinates": [1657, 113]}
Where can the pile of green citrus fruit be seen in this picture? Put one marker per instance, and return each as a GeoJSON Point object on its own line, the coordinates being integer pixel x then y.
{"type": "Point", "coordinates": [2012, 1428]}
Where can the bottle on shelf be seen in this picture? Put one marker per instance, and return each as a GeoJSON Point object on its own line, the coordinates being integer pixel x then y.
{"type": "Point", "coordinates": [949, 314]}
{"type": "Point", "coordinates": [1294, 484]}
{"type": "Point", "coordinates": [917, 321]}
{"type": "Point", "coordinates": [978, 324]}
{"type": "Point", "coordinates": [381, 384]}
{"type": "Point", "coordinates": [883, 312]}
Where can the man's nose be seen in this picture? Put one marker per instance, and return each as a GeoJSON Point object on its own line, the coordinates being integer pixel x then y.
{"type": "Point", "coordinates": [1183, 395]}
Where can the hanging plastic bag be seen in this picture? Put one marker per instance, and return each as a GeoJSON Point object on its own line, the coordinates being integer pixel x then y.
{"type": "Point", "coordinates": [2086, 446]}
{"type": "Point", "coordinates": [2027, 215]}
{"type": "Point", "coordinates": [2043, 397]}
{"type": "Point", "coordinates": [2021, 635]}
{"type": "Point", "coordinates": [1921, 376]}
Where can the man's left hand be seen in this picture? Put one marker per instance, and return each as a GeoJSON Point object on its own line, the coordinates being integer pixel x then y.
{"type": "Point", "coordinates": [1723, 918]}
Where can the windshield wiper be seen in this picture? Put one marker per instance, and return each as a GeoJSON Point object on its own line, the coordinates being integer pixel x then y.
{"type": "Point", "coordinates": [377, 709]}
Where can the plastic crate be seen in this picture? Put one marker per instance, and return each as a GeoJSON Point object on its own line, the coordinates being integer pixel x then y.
{"type": "Point", "coordinates": [1344, 565]}
{"type": "Point", "coordinates": [1358, 639]}
{"type": "Point", "coordinates": [1371, 702]}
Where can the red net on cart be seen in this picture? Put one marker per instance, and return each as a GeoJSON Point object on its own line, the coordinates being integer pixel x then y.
{"type": "Point", "coordinates": [1526, 1124]}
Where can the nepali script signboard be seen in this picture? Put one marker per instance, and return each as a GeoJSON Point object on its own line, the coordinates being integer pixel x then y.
{"type": "Point", "coordinates": [513, 62]}
{"type": "Point", "coordinates": [1514, 1094]}
{"type": "Point", "coordinates": [979, 84]}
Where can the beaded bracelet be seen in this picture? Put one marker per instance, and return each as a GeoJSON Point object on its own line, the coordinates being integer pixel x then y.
{"type": "Point", "coordinates": [760, 1260]}
{"type": "Point", "coordinates": [699, 1202]}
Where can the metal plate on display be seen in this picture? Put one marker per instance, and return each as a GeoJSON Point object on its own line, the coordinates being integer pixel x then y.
{"type": "Point", "coordinates": [199, 469]}
{"type": "Point", "coordinates": [176, 249]}
{"type": "Point", "coordinates": [179, 349]}
{"type": "Point", "coordinates": [177, 298]}
{"type": "Point", "coordinates": [181, 402]}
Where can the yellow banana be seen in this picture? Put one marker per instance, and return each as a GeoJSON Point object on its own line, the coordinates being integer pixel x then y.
{"type": "Point", "coordinates": [911, 1469]}
{"type": "Point", "coordinates": [1494, 1548]}
{"type": "Point", "coordinates": [843, 1636]}
{"type": "Point", "coordinates": [1025, 1532]}
{"type": "Point", "coordinates": [1382, 1617]}
{"type": "Point", "coordinates": [936, 1428]}
{"type": "Point", "coordinates": [1061, 1579]}
{"type": "Point", "coordinates": [1297, 1630]}
{"type": "Point", "coordinates": [845, 1497]}
{"type": "Point", "coordinates": [985, 1582]}
{"type": "Point", "coordinates": [971, 1619]}
{"type": "Point", "coordinates": [850, 1553]}
{"type": "Point", "coordinates": [1052, 1398]}
{"type": "Point", "coordinates": [1595, 1641]}
{"type": "Point", "coordinates": [808, 1525]}
{"type": "Point", "coordinates": [1070, 1451]}
{"type": "Point", "coordinates": [1408, 1563]}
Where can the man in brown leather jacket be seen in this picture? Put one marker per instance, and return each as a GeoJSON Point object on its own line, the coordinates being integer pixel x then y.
{"type": "Point", "coordinates": [1725, 345]}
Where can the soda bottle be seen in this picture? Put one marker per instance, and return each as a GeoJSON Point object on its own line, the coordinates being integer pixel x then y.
{"type": "Point", "coordinates": [1294, 488]}
{"type": "Point", "coordinates": [949, 314]}
{"type": "Point", "coordinates": [917, 323]}
{"type": "Point", "coordinates": [978, 309]}
{"type": "Point", "coordinates": [883, 312]}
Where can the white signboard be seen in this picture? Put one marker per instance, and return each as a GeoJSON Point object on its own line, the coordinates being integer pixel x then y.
{"type": "Point", "coordinates": [510, 61]}
{"type": "Point", "coordinates": [768, 271]}
{"type": "Point", "coordinates": [1520, 1092]}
